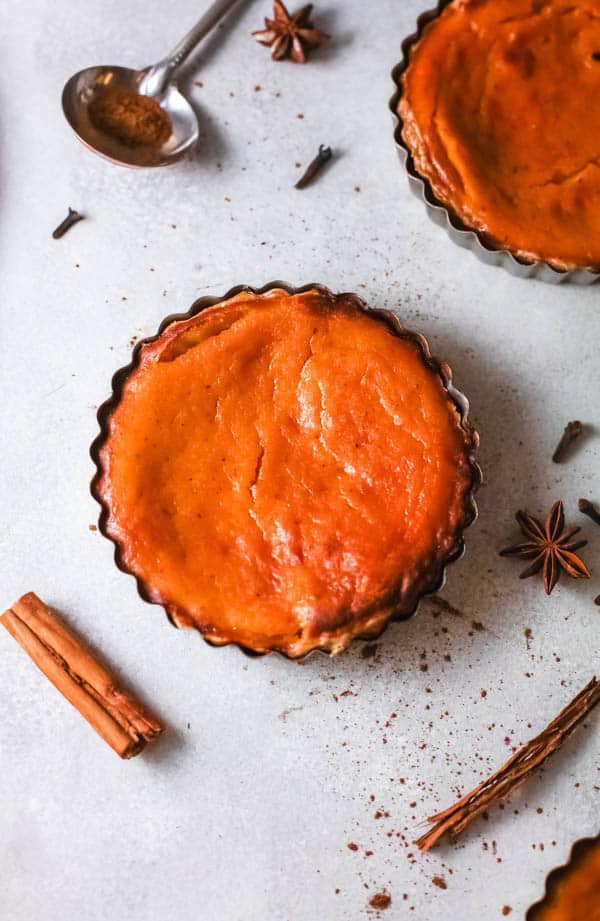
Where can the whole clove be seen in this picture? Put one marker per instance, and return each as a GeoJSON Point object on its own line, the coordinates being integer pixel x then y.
{"type": "Point", "coordinates": [572, 432]}
{"type": "Point", "coordinates": [314, 167]}
{"type": "Point", "coordinates": [588, 508]}
{"type": "Point", "coordinates": [72, 218]}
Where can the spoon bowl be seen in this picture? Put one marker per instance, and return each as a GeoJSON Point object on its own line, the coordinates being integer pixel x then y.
{"type": "Point", "coordinates": [157, 82]}
{"type": "Point", "coordinates": [83, 87]}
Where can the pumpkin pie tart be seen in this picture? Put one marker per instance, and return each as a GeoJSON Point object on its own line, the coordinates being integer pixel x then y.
{"type": "Point", "coordinates": [500, 111]}
{"type": "Point", "coordinates": [285, 471]}
{"type": "Point", "coordinates": [573, 891]}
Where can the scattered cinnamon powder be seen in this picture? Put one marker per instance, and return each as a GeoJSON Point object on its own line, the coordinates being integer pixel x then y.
{"type": "Point", "coordinates": [440, 882]}
{"type": "Point", "coordinates": [441, 606]}
{"type": "Point", "coordinates": [134, 120]}
{"type": "Point", "coordinates": [506, 910]}
{"type": "Point", "coordinates": [381, 900]}
{"type": "Point", "coordinates": [352, 846]}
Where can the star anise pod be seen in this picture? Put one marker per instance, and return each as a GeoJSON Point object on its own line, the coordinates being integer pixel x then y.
{"type": "Point", "coordinates": [290, 34]}
{"type": "Point", "coordinates": [550, 547]}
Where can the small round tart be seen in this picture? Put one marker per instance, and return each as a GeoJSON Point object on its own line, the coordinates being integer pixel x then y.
{"type": "Point", "coordinates": [573, 891]}
{"type": "Point", "coordinates": [285, 471]}
{"type": "Point", "coordinates": [500, 107]}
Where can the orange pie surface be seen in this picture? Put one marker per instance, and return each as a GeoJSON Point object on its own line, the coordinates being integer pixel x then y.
{"type": "Point", "coordinates": [285, 471]}
{"type": "Point", "coordinates": [576, 895]}
{"type": "Point", "coordinates": [501, 112]}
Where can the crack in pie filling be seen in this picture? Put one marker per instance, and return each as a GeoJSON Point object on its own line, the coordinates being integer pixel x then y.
{"type": "Point", "coordinates": [285, 471]}
{"type": "Point", "coordinates": [501, 112]}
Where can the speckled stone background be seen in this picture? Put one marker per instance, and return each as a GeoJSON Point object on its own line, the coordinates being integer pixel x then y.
{"type": "Point", "coordinates": [245, 810]}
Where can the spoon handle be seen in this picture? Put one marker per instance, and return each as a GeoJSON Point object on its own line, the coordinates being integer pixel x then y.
{"type": "Point", "coordinates": [160, 75]}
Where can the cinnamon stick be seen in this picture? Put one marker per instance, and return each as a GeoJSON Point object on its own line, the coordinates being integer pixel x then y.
{"type": "Point", "coordinates": [116, 716]}
{"type": "Point", "coordinates": [516, 770]}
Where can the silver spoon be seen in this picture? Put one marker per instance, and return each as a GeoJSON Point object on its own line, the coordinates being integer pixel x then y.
{"type": "Point", "coordinates": [156, 81]}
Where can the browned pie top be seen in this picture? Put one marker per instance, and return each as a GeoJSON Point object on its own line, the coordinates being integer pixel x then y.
{"type": "Point", "coordinates": [501, 111]}
{"type": "Point", "coordinates": [284, 470]}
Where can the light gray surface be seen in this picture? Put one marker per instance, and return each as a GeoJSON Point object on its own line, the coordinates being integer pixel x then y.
{"type": "Point", "coordinates": [244, 810]}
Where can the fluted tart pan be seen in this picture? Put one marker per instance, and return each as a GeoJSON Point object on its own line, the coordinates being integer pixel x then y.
{"type": "Point", "coordinates": [519, 263]}
{"type": "Point", "coordinates": [323, 554]}
{"type": "Point", "coordinates": [578, 868]}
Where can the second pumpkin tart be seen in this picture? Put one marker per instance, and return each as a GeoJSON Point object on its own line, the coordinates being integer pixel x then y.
{"type": "Point", "coordinates": [573, 891]}
{"type": "Point", "coordinates": [500, 107]}
{"type": "Point", "coordinates": [285, 471]}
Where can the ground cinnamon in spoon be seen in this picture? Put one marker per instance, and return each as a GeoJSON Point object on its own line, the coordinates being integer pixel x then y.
{"type": "Point", "coordinates": [134, 120]}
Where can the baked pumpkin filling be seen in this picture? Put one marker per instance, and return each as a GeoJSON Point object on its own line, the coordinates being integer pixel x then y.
{"type": "Point", "coordinates": [283, 471]}
{"type": "Point", "coordinates": [576, 895]}
{"type": "Point", "coordinates": [501, 112]}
